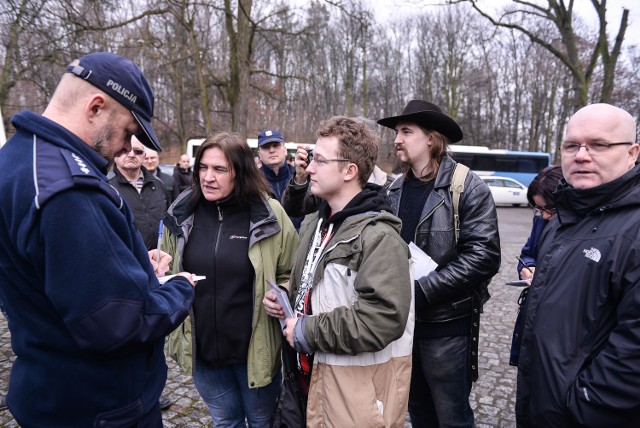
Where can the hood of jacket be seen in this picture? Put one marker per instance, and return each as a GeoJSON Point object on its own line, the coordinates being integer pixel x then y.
{"type": "Point", "coordinates": [263, 221]}
{"type": "Point", "coordinates": [370, 199]}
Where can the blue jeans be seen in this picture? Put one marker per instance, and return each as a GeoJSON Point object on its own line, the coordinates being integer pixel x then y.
{"type": "Point", "coordinates": [226, 392]}
{"type": "Point", "coordinates": [440, 383]}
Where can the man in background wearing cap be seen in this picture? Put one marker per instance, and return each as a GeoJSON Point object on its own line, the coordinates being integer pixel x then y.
{"type": "Point", "coordinates": [273, 156]}
{"type": "Point", "coordinates": [86, 312]}
{"type": "Point", "coordinates": [449, 299]}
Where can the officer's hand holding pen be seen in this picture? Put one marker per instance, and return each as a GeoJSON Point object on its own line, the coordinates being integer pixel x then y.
{"type": "Point", "coordinates": [160, 261]}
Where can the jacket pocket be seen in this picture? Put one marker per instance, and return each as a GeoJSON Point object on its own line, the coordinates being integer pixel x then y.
{"type": "Point", "coordinates": [462, 304]}
{"type": "Point", "coordinates": [127, 416]}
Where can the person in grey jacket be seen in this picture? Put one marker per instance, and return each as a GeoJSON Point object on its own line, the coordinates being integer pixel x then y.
{"type": "Point", "coordinates": [449, 299]}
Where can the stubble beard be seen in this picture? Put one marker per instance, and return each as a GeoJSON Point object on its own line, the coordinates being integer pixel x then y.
{"type": "Point", "coordinates": [100, 143]}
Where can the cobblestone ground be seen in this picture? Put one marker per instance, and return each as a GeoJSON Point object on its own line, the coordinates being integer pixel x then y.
{"type": "Point", "coordinates": [493, 395]}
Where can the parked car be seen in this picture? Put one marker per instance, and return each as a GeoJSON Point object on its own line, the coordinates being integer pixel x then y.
{"type": "Point", "coordinates": [506, 191]}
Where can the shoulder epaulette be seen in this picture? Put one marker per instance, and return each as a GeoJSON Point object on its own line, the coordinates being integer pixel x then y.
{"type": "Point", "coordinates": [56, 169]}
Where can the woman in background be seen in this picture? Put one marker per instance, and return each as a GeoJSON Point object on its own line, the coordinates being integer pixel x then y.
{"type": "Point", "coordinates": [227, 228]}
{"type": "Point", "coordinates": [540, 197]}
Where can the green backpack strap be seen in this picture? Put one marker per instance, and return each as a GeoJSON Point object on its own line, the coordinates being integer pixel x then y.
{"type": "Point", "coordinates": [456, 188]}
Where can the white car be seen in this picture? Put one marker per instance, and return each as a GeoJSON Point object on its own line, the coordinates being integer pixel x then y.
{"type": "Point", "coordinates": [506, 191]}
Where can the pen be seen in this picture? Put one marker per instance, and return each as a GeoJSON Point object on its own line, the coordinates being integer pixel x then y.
{"type": "Point", "coordinates": [524, 264]}
{"type": "Point", "coordinates": [159, 241]}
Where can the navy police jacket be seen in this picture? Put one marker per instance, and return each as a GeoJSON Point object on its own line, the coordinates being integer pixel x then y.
{"type": "Point", "coordinates": [86, 313]}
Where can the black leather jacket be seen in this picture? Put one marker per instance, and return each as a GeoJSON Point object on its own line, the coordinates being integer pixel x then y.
{"type": "Point", "coordinates": [466, 268]}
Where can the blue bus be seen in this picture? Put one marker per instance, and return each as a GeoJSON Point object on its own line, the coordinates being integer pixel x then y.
{"type": "Point", "coordinates": [521, 166]}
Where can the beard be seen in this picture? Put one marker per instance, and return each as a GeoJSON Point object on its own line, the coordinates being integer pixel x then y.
{"type": "Point", "coordinates": [100, 143]}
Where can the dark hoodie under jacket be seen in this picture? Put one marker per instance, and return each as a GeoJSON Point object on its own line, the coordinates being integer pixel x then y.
{"type": "Point", "coordinates": [369, 199]}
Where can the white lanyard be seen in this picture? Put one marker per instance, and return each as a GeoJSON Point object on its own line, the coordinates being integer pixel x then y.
{"type": "Point", "coordinates": [311, 263]}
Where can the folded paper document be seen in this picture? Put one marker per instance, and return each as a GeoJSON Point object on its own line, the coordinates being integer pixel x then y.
{"type": "Point", "coordinates": [423, 265]}
{"type": "Point", "coordinates": [283, 300]}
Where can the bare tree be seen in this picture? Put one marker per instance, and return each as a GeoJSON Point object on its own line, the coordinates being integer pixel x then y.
{"type": "Point", "coordinates": [568, 45]}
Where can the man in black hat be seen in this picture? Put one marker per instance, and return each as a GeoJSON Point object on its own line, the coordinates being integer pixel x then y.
{"type": "Point", "coordinates": [86, 312]}
{"type": "Point", "coordinates": [467, 251]}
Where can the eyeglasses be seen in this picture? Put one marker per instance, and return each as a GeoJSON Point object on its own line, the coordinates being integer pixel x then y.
{"type": "Point", "coordinates": [137, 152]}
{"type": "Point", "coordinates": [321, 161]}
{"type": "Point", "coordinates": [538, 211]}
{"type": "Point", "coordinates": [592, 147]}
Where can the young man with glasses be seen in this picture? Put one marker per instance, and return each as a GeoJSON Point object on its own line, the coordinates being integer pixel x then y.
{"type": "Point", "coordinates": [145, 194]}
{"type": "Point", "coordinates": [579, 361]}
{"type": "Point", "coordinates": [351, 289]}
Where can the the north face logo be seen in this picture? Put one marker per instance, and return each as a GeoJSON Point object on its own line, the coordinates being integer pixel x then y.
{"type": "Point", "coordinates": [593, 254]}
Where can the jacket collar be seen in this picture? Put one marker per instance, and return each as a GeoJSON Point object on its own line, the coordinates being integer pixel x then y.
{"type": "Point", "coordinates": [574, 204]}
{"type": "Point", "coordinates": [179, 212]}
{"type": "Point", "coordinates": [146, 175]}
{"type": "Point", "coordinates": [283, 172]}
{"type": "Point", "coordinates": [443, 178]}
{"type": "Point", "coordinates": [59, 136]}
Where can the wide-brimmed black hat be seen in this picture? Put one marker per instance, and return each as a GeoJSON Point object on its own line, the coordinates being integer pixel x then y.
{"type": "Point", "coordinates": [427, 115]}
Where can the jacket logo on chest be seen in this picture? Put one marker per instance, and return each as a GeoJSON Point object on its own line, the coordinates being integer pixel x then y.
{"type": "Point", "coordinates": [593, 254]}
{"type": "Point", "coordinates": [238, 237]}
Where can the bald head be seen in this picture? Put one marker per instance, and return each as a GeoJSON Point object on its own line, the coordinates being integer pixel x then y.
{"type": "Point", "coordinates": [599, 124]}
{"type": "Point", "coordinates": [604, 122]}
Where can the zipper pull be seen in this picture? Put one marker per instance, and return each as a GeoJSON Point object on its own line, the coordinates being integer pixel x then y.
{"type": "Point", "coordinates": [219, 213]}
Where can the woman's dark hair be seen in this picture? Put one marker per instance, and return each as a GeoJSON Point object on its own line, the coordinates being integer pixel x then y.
{"type": "Point", "coordinates": [250, 184]}
{"type": "Point", "coordinates": [544, 184]}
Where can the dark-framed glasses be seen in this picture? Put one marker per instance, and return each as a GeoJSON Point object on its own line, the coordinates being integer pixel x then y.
{"type": "Point", "coordinates": [320, 161]}
{"type": "Point", "coordinates": [592, 147]}
{"type": "Point", "coordinates": [539, 211]}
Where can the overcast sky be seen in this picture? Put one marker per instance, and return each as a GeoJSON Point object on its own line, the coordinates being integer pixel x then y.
{"type": "Point", "coordinates": [392, 8]}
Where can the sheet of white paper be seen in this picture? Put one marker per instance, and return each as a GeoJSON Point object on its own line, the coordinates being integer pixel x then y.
{"type": "Point", "coordinates": [163, 279]}
{"type": "Point", "coordinates": [422, 263]}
